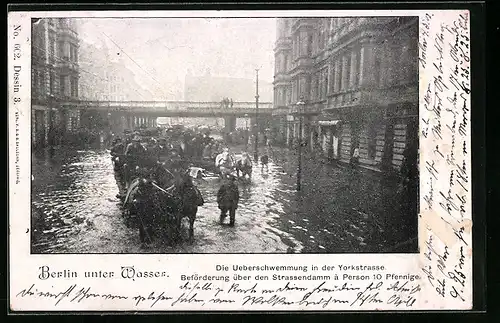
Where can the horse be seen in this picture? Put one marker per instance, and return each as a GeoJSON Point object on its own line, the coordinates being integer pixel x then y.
{"type": "Point", "coordinates": [244, 166]}
{"type": "Point", "coordinates": [189, 198]}
{"type": "Point", "coordinates": [150, 207]}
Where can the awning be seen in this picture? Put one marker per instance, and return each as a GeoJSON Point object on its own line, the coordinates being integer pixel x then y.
{"type": "Point", "coordinates": [328, 122]}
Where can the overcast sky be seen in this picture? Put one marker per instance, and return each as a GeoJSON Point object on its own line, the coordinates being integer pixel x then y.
{"type": "Point", "coordinates": [167, 48]}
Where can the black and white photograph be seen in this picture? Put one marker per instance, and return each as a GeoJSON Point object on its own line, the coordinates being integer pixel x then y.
{"type": "Point", "coordinates": [231, 135]}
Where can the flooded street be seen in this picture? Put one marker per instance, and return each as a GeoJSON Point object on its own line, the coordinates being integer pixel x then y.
{"type": "Point", "coordinates": [75, 210]}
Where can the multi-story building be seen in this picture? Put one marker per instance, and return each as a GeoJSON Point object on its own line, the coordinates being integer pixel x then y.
{"type": "Point", "coordinates": [54, 78]}
{"type": "Point", "coordinates": [105, 77]}
{"type": "Point", "coordinates": [358, 78]}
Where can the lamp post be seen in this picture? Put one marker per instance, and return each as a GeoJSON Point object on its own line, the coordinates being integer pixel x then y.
{"type": "Point", "coordinates": [300, 106]}
{"type": "Point", "coordinates": [51, 127]}
{"type": "Point", "coordinates": [256, 131]}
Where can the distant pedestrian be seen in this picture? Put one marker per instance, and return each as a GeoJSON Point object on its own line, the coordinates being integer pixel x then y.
{"type": "Point", "coordinates": [355, 157]}
{"type": "Point", "coordinates": [264, 162]}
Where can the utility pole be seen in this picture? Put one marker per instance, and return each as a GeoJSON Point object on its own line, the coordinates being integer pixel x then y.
{"type": "Point", "coordinates": [300, 112]}
{"type": "Point", "coordinates": [256, 131]}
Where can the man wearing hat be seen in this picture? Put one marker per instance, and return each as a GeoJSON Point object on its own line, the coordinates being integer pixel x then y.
{"type": "Point", "coordinates": [134, 155]}
{"type": "Point", "coordinates": [118, 158]}
{"type": "Point", "coordinates": [163, 150]}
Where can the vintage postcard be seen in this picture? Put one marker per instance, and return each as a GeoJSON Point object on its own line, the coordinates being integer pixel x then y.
{"type": "Point", "coordinates": [239, 160]}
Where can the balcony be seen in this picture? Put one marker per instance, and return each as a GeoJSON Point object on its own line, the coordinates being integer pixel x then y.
{"type": "Point", "coordinates": [65, 66]}
{"type": "Point", "coordinates": [308, 109]}
{"type": "Point", "coordinates": [373, 97]}
{"type": "Point", "coordinates": [67, 35]}
{"type": "Point", "coordinates": [301, 23]}
{"type": "Point", "coordinates": [282, 110]}
{"type": "Point", "coordinates": [356, 25]}
{"type": "Point", "coordinates": [302, 62]}
{"type": "Point", "coordinates": [283, 44]}
{"type": "Point", "coordinates": [281, 78]}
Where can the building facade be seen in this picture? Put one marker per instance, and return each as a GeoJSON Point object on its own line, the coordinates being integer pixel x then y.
{"type": "Point", "coordinates": [358, 80]}
{"type": "Point", "coordinates": [106, 77]}
{"type": "Point", "coordinates": [54, 78]}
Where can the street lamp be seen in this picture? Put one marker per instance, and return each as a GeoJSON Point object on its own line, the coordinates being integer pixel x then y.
{"type": "Point", "coordinates": [300, 110]}
{"type": "Point", "coordinates": [51, 140]}
{"type": "Point", "coordinates": [256, 131]}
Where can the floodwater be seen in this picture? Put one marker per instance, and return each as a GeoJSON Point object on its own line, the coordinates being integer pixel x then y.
{"type": "Point", "coordinates": [338, 210]}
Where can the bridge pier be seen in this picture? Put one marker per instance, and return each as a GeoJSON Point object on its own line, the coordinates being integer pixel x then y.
{"type": "Point", "coordinates": [262, 122]}
{"type": "Point", "coordinates": [229, 124]}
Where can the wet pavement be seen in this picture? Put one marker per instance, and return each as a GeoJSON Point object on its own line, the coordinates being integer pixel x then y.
{"type": "Point", "coordinates": [338, 210]}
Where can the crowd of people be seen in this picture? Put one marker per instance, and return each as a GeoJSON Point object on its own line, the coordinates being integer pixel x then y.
{"type": "Point", "coordinates": [163, 155]}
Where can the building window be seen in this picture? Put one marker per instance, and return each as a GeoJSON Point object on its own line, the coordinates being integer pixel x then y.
{"type": "Point", "coordinates": [376, 70]}
{"type": "Point", "coordinates": [372, 142]}
{"type": "Point", "coordinates": [309, 44]}
{"type": "Point", "coordinates": [43, 86]}
{"type": "Point", "coordinates": [321, 38]}
{"type": "Point", "coordinates": [320, 85]}
{"type": "Point", "coordinates": [325, 83]}
{"type": "Point", "coordinates": [348, 71]}
{"type": "Point", "coordinates": [313, 91]}
{"type": "Point", "coordinates": [357, 62]}
{"type": "Point", "coordinates": [74, 87]}
{"type": "Point", "coordinates": [73, 53]}
{"type": "Point", "coordinates": [63, 24]}
{"type": "Point", "coordinates": [62, 84]}
{"type": "Point", "coordinates": [412, 71]}
{"type": "Point", "coordinates": [62, 55]}
{"type": "Point", "coordinates": [305, 47]}
{"type": "Point", "coordinates": [52, 49]}
{"type": "Point", "coordinates": [331, 88]}
{"type": "Point", "coordinates": [52, 83]}
{"type": "Point", "coordinates": [338, 80]}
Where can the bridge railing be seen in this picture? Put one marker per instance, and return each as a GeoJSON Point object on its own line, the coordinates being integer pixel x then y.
{"type": "Point", "coordinates": [171, 105]}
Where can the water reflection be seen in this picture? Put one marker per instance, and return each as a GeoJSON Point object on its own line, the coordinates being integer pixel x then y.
{"type": "Point", "coordinates": [74, 209]}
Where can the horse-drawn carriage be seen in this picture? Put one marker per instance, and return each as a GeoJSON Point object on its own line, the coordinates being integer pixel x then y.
{"type": "Point", "coordinates": [157, 200]}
